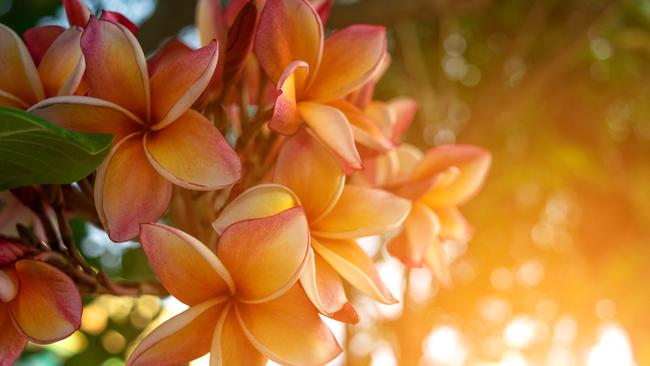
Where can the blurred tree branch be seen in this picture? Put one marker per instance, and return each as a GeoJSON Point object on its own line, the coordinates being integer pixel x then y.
{"type": "Point", "coordinates": [169, 18]}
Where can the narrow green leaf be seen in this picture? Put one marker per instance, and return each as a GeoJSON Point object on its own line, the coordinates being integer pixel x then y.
{"type": "Point", "coordinates": [36, 151]}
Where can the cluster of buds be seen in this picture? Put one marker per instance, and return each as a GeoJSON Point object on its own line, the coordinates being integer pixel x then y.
{"type": "Point", "coordinates": [271, 159]}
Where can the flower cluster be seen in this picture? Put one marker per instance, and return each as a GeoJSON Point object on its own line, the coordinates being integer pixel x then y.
{"type": "Point", "coordinates": [270, 156]}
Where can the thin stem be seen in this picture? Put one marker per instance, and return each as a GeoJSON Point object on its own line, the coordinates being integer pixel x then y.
{"type": "Point", "coordinates": [253, 126]}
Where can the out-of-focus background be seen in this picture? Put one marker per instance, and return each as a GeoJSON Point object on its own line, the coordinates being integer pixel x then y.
{"type": "Point", "coordinates": [557, 271]}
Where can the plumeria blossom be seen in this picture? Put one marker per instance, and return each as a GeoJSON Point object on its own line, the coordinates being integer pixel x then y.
{"type": "Point", "coordinates": [437, 182]}
{"type": "Point", "coordinates": [59, 71]}
{"type": "Point", "coordinates": [337, 214]}
{"type": "Point", "coordinates": [38, 303]}
{"type": "Point", "coordinates": [159, 140]}
{"type": "Point", "coordinates": [246, 305]}
{"type": "Point", "coordinates": [313, 74]}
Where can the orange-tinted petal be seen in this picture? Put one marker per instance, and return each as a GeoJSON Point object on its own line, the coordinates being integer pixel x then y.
{"type": "Point", "coordinates": [436, 259]}
{"type": "Point", "coordinates": [473, 163]}
{"type": "Point", "coordinates": [77, 12]}
{"type": "Point", "coordinates": [350, 57]}
{"type": "Point", "coordinates": [420, 231]}
{"type": "Point", "coordinates": [209, 21]}
{"type": "Point", "coordinates": [169, 52]}
{"type": "Point", "coordinates": [11, 341]}
{"type": "Point", "coordinates": [453, 225]}
{"type": "Point", "coordinates": [63, 65]}
{"type": "Point", "coordinates": [19, 76]}
{"type": "Point", "coordinates": [256, 202]}
{"type": "Point", "coordinates": [354, 265]}
{"type": "Point", "coordinates": [324, 288]}
{"type": "Point", "coordinates": [309, 170]}
{"type": "Point", "coordinates": [193, 154]}
{"type": "Point", "coordinates": [286, 119]}
{"type": "Point", "coordinates": [47, 307]}
{"type": "Point", "coordinates": [129, 191]}
{"type": "Point", "coordinates": [265, 256]}
{"type": "Point", "coordinates": [403, 110]}
{"type": "Point", "coordinates": [289, 30]}
{"type": "Point", "coordinates": [184, 265]}
{"type": "Point", "coordinates": [10, 100]}
{"type": "Point", "coordinates": [364, 129]}
{"type": "Point", "coordinates": [88, 114]}
{"type": "Point", "coordinates": [333, 129]}
{"type": "Point", "coordinates": [181, 339]}
{"type": "Point", "coordinates": [116, 67]}
{"type": "Point", "coordinates": [288, 330]}
{"type": "Point", "coordinates": [177, 84]}
{"type": "Point", "coordinates": [415, 190]}
{"type": "Point", "coordinates": [38, 39]}
{"type": "Point", "coordinates": [8, 284]}
{"type": "Point", "coordinates": [230, 346]}
{"type": "Point", "coordinates": [362, 211]}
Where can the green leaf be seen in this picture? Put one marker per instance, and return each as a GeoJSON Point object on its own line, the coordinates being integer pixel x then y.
{"type": "Point", "coordinates": [36, 151]}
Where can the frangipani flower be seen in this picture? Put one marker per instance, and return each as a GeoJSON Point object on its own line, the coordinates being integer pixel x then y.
{"type": "Point", "coordinates": [312, 73]}
{"type": "Point", "coordinates": [437, 182]}
{"type": "Point", "coordinates": [59, 72]}
{"type": "Point", "coordinates": [245, 303]}
{"type": "Point", "coordinates": [38, 303]}
{"type": "Point", "coordinates": [159, 140]}
{"type": "Point", "coordinates": [337, 214]}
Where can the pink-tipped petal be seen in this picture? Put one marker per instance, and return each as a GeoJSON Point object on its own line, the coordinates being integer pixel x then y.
{"type": "Point", "coordinates": [288, 330]}
{"type": "Point", "coordinates": [12, 341]}
{"type": "Point", "coordinates": [169, 52]}
{"type": "Point", "coordinates": [286, 119]}
{"type": "Point", "coordinates": [193, 154]}
{"type": "Point", "coordinates": [48, 306]}
{"type": "Point", "coordinates": [473, 164]}
{"type": "Point", "coordinates": [350, 57]}
{"type": "Point", "coordinates": [129, 191]}
{"type": "Point", "coordinates": [119, 18]}
{"type": "Point", "coordinates": [324, 288]}
{"type": "Point", "coordinates": [77, 12]}
{"type": "Point", "coordinates": [309, 170]}
{"type": "Point", "coordinates": [230, 346]}
{"type": "Point", "coordinates": [19, 76]}
{"type": "Point", "coordinates": [184, 265]}
{"type": "Point", "coordinates": [355, 266]}
{"type": "Point", "coordinates": [177, 84]}
{"type": "Point", "coordinates": [63, 66]}
{"type": "Point", "coordinates": [116, 67]}
{"type": "Point", "coordinates": [420, 231]}
{"type": "Point", "coordinates": [288, 30]}
{"type": "Point", "coordinates": [260, 201]}
{"type": "Point", "coordinates": [181, 339]}
{"type": "Point", "coordinates": [86, 114]}
{"type": "Point", "coordinates": [360, 212]}
{"type": "Point", "coordinates": [265, 256]}
{"type": "Point", "coordinates": [39, 39]}
{"type": "Point", "coordinates": [323, 8]}
{"type": "Point", "coordinates": [333, 129]}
